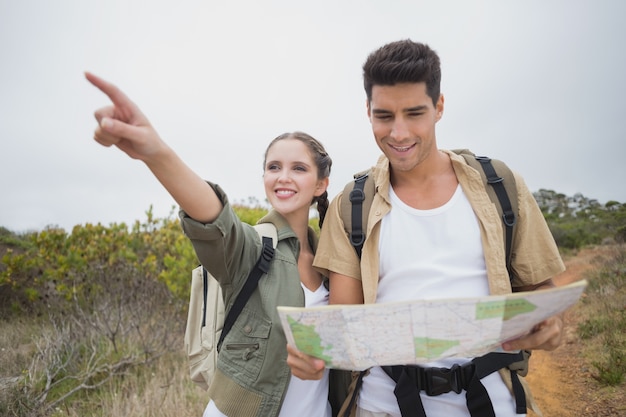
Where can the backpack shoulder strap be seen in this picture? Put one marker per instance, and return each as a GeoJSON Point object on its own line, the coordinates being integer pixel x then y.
{"type": "Point", "coordinates": [260, 268]}
{"type": "Point", "coordinates": [268, 230]}
{"type": "Point", "coordinates": [502, 190]}
{"type": "Point", "coordinates": [355, 207]}
{"type": "Point", "coordinates": [499, 183]}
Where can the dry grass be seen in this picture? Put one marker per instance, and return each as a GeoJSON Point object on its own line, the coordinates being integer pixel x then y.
{"type": "Point", "coordinates": [158, 389]}
{"type": "Point", "coordinates": [117, 352]}
{"type": "Point", "coordinates": [161, 390]}
{"type": "Point", "coordinates": [16, 346]}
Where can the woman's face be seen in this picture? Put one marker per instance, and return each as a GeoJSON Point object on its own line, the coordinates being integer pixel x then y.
{"type": "Point", "coordinates": [290, 177]}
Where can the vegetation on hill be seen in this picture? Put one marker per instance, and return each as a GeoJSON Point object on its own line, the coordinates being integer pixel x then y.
{"type": "Point", "coordinates": [92, 309]}
{"type": "Point", "coordinates": [579, 221]}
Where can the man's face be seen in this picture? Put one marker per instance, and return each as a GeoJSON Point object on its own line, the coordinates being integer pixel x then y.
{"type": "Point", "coordinates": [403, 120]}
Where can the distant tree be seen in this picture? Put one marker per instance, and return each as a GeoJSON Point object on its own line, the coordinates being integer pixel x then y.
{"type": "Point", "coordinates": [577, 221]}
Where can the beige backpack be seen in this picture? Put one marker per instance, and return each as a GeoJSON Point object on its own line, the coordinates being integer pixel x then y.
{"type": "Point", "coordinates": [207, 323]}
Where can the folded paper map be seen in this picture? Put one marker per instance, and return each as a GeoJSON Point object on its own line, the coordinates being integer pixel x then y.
{"type": "Point", "coordinates": [357, 337]}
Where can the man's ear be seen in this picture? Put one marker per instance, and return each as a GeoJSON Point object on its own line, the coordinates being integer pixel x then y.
{"type": "Point", "coordinates": [440, 106]}
{"type": "Point", "coordinates": [369, 109]}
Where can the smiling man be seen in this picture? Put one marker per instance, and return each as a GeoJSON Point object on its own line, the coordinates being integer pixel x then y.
{"type": "Point", "coordinates": [433, 232]}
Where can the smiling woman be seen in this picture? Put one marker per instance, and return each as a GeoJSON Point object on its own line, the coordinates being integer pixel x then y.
{"type": "Point", "coordinates": [296, 176]}
{"type": "Point", "coordinates": [292, 178]}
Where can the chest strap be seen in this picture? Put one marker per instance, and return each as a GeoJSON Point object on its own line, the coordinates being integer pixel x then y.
{"type": "Point", "coordinates": [410, 380]}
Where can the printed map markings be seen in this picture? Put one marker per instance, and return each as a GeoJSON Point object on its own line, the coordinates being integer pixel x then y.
{"type": "Point", "coordinates": [308, 340]}
{"type": "Point", "coordinates": [505, 309]}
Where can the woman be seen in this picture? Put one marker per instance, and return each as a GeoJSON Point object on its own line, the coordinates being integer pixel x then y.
{"type": "Point", "coordinates": [252, 378]}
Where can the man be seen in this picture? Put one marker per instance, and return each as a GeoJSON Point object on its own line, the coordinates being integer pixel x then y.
{"type": "Point", "coordinates": [432, 232]}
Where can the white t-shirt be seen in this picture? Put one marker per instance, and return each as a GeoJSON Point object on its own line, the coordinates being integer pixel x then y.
{"type": "Point", "coordinates": [427, 254]}
{"type": "Point", "coordinates": [303, 398]}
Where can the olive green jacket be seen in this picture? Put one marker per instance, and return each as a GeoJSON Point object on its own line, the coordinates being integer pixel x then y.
{"type": "Point", "coordinates": [252, 374]}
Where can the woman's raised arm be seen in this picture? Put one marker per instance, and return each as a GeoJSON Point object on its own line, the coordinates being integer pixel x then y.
{"type": "Point", "coordinates": [124, 125]}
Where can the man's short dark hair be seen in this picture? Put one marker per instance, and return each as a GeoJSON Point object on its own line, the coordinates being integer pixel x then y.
{"type": "Point", "coordinates": [403, 62]}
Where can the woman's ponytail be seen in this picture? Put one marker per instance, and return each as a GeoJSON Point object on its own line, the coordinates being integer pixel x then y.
{"type": "Point", "coordinates": [322, 207]}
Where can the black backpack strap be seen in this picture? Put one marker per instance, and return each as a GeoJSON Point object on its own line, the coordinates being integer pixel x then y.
{"type": "Point", "coordinates": [508, 215]}
{"type": "Point", "coordinates": [411, 380]}
{"type": "Point", "coordinates": [362, 190]}
{"type": "Point", "coordinates": [357, 196]}
{"type": "Point", "coordinates": [261, 267]}
{"type": "Point", "coordinates": [477, 398]}
{"type": "Point", "coordinates": [355, 207]}
{"type": "Point", "coordinates": [205, 291]}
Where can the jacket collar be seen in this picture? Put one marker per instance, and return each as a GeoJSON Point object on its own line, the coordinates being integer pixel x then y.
{"type": "Point", "coordinates": [284, 230]}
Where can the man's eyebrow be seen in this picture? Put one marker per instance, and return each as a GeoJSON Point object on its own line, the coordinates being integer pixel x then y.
{"type": "Point", "coordinates": [416, 108]}
{"type": "Point", "coordinates": [419, 108]}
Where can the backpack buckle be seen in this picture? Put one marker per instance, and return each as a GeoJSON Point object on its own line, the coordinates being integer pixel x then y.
{"type": "Point", "coordinates": [357, 195]}
{"type": "Point", "coordinates": [437, 381]}
{"type": "Point", "coordinates": [357, 238]}
{"type": "Point", "coordinates": [509, 218]}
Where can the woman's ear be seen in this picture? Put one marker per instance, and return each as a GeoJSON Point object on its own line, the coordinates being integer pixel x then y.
{"type": "Point", "coordinates": [322, 185]}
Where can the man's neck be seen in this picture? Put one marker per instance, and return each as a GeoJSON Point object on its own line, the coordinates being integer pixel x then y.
{"type": "Point", "coordinates": [429, 185]}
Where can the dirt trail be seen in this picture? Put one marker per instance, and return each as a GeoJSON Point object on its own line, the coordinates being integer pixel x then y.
{"type": "Point", "coordinates": [560, 382]}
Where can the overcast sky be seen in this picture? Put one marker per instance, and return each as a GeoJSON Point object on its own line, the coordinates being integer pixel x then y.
{"type": "Point", "coordinates": [540, 84]}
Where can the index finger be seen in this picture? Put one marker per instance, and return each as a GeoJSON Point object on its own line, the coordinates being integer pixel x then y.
{"type": "Point", "coordinates": [116, 95]}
